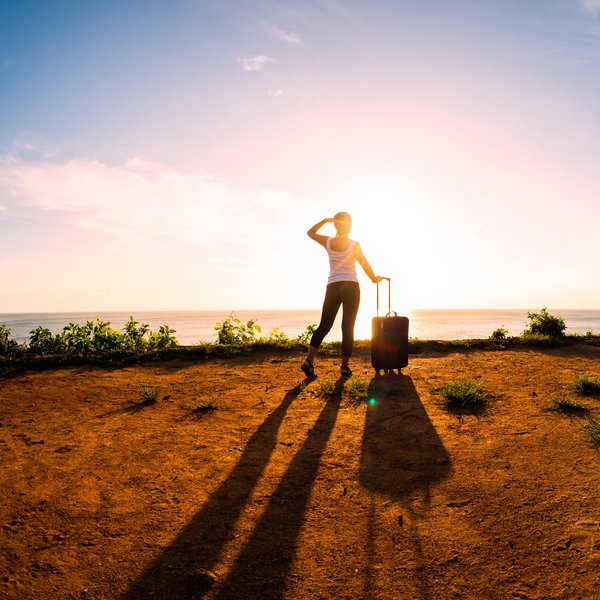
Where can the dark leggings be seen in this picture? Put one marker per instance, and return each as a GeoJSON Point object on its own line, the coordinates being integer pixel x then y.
{"type": "Point", "coordinates": [346, 294]}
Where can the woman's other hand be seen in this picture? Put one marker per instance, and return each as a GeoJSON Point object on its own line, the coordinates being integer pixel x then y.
{"type": "Point", "coordinates": [377, 279]}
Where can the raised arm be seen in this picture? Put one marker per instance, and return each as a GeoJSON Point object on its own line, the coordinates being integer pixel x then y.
{"type": "Point", "coordinates": [313, 235]}
{"type": "Point", "coordinates": [364, 263]}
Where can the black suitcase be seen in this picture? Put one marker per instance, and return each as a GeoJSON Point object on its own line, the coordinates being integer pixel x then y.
{"type": "Point", "coordinates": [389, 339]}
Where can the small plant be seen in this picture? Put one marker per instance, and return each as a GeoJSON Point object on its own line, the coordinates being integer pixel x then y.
{"type": "Point", "coordinates": [543, 323]}
{"type": "Point", "coordinates": [357, 389]}
{"type": "Point", "coordinates": [43, 341]}
{"type": "Point", "coordinates": [586, 385]}
{"type": "Point", "coordinates": [233, 332]}
{"type": "Point", "coordinates": [205, 407]}
{"type": "Point", "coordinates": [464, 393]}
{"type": "Point", "coordinates": [566, 404]}
{"type": "Point", "coordinates": [149, 394]}
{"type": "Point", "coordinates": [164, 338]}
{"type": "Point", "coordinates": [499, 334]}
{"type": "Point", "coordinates": [278, 336]}
{"type": "Point", "coordinates": [304, 337]}
{"type": "Point", "coordinates": [325, 388]}
{"type": "Point", "coordinates": [593, 430]}
{"type": "Point", "coordinates": [7, 346]}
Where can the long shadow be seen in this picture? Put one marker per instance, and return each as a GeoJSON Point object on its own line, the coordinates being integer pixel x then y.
{"type": "Point", "coordinates": [401, 455]}
{"type": "Point", "coordinates": [262, 568]}
{"type": "Point", "coordinates": [174, 574]}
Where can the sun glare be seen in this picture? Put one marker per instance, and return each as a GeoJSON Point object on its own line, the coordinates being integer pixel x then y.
{"type": "Point", "coordinates": [389, 216]}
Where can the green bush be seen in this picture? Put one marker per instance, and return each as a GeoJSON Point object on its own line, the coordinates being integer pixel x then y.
{"type": "Point", "coordinates": [233, 332]}
{"type": "Point", "coordinates": [8, 347]}
{"type": "Point", "coordinates": [304, 337]}
{"type": "Point", "coordinates": [98, 337]}
{"type": "Point", "coordinates": [499, 334]}
{"type": "Point", "coordinates": [543, 323]}
{"type": "Point", "coordinates": [43, 341]}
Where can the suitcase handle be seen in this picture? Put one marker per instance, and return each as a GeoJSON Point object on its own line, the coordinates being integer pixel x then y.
{"type": "Point", "coordinates": [389, 280]}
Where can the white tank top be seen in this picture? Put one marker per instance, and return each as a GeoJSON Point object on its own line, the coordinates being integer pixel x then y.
{"type": "Point", "coordinates": [342, 265]}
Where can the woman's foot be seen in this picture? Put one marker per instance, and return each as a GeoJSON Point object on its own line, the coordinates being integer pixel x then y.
{"type": "Point", "coordinates": [308, 369]}
{"type": "Point", "coordinates": [345, 371]}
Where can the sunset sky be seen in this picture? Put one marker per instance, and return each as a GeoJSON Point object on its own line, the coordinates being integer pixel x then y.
{"type": "Point", "coordinates": [172, 155]}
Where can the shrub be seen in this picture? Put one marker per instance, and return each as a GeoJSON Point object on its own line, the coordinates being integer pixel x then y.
{"type": "Point", "coordinates": [163, 339]}
{"type": "Point", "coordinates": [464, 392]}
{"type": "Point", "coordinates": [43, 341]}
{"type": "Point", "coordinates": [278, 336]}
{"type": "Point", "coordinates": [586, 385]}
{"type": "Point", "coordinates": [304, 337]}
{"type": "Point", "coordinates": [97, 336]}
{"type": "Point", "coordinates": [499, 334]}
{"type": "Point", "coordinates": [543, 323]}
{"type": "Point", "coordinates": [232, 331]}
{"type": "Point", "coordinates": [8, 346]}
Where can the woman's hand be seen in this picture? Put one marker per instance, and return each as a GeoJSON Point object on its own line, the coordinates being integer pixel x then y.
{"type": "Point", "coordinates": [377, 279]}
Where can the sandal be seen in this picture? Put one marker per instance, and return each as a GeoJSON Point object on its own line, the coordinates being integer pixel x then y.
{"type": "Point", "coordinates": [346, 371]}
{"type": "Point", "coordinates": [308, 369]}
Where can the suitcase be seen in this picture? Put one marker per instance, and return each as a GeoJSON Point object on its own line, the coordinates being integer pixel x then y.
{"type": "Point", "coordinates": [389, 339]}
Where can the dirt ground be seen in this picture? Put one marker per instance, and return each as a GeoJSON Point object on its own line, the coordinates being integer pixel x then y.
{"type": "Point", "coordinates": [283, 493]}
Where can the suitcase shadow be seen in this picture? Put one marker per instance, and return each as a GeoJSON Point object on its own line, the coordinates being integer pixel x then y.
{"type": "Point", "coordinates": [401, 451]}
{"type": "Point", "coordinates": [402, 457]}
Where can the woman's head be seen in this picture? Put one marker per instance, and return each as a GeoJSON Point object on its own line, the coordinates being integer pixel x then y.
{"type": "Point", "coordinates": [343, 223]}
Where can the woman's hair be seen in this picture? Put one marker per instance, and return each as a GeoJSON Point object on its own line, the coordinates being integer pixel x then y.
{"type": "Point", "coordinates": [346, 221]}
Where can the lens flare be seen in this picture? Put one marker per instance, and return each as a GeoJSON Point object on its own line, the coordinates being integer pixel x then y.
{"type": "Point", "coordinates": [372, 402]}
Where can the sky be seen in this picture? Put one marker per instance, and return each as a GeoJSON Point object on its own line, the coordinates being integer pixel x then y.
{"type": "Point", "coordinates": [172, 155]}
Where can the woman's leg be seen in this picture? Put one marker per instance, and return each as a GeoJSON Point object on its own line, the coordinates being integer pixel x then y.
{"type": "Point", "coordinates": [331, 305]}
{"type": "Point", "coordinates": [350, 303]}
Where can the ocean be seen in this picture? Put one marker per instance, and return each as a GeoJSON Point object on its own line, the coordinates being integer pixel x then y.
{"type": "Point", "coordinates": [199, 326]}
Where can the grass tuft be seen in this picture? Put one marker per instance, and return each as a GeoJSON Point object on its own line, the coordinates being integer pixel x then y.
{"type": "Point", "coordinates": [357, 389]}
{"type": "Point", "coordinates": [325, 388]}
{"type": "Point", "coordinates": [593, 430]}
{"type": "Point", "coordinates": [566, 404]}
{"type": "Point", "coordinates": [149, 394]}
{"type": "Point", "coordinates": [464, 393]}
{"type": "Point", "coordinates": [207, 406]}
{"type": "Point", "coordinates": [586, 385]}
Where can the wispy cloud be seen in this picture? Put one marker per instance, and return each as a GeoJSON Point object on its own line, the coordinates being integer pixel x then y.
{"type": "Point", "coordinates": [275, 93]}
{"type": "Point", "coordinates": [35, 147]}
{"type": "Point", "coordinates": [590, 6]}
{"type": "Point", "coordinates": [254, 63]}
{"type": "Point", "coordinates": [289, 37]}
{"type": "Point", "coordinates": [142, 201]}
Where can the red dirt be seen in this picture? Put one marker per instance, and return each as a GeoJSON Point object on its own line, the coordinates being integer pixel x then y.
{"type": "Point", "coordinates": [282, 493]}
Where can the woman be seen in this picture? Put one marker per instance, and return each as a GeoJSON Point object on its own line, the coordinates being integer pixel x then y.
{"type": "Point", "coordinates": [342, 289]}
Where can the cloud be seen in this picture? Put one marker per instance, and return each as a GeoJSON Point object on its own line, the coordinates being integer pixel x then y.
{"type": "Point", "coordinates": [281, 35]}
{"type": "Point", "coordinates": [590, 6]}
{"type": "Point", "coordinates": [254, 63]}
{"type": "Point", "coordinates": [35, 147]}
{"type": "Point", "coordinates": [142, 202]}
{"type": "Point", "coordinates": [274, 93]}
